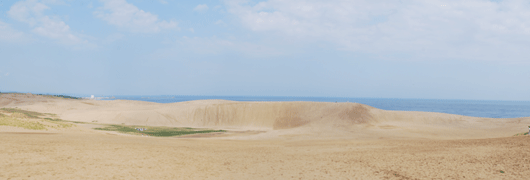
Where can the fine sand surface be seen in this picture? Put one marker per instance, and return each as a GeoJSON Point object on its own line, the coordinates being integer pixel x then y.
{"type": "Point", "coordinates": [265, 140]}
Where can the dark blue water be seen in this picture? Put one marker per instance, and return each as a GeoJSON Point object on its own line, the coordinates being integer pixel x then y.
{"type": "Point", "coordinates": [492, 109]}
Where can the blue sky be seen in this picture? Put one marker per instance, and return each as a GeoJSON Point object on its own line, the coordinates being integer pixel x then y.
{"type": "Point", "coordinates": [439, 49]}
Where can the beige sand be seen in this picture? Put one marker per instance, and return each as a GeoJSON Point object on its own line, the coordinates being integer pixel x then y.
{"type": "Point", "coordinates": [269, 140]}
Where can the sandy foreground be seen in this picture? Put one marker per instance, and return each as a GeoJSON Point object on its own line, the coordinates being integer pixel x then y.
{"type": "Point", "coordinates": [266, 140]}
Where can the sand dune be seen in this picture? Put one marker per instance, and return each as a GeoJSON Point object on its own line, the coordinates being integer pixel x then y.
{"type": "Point", "coordinates": [310, 119]}
{"type": "Point", "coordinates": [277, 140]}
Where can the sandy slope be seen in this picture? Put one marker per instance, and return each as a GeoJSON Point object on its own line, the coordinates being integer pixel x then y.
{"type": "Point", "coordinates": [300, 140]}
{"type": "Point", "coordinates": [98, 156]}
{"type": "Point", "coordinates": [310, 119]}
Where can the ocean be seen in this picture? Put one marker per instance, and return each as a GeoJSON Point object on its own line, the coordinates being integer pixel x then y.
{"type": "Point", "coordinates": [476, 108]}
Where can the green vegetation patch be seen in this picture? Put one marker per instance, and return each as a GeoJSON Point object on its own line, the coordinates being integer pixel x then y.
{"type": "Point", "coordinates": [50, 114]}
{"type": "Point", "coordinates": [156, 131]}
{"type": "Point", "coordinates": [61, 96]}
{"type": "Point", "coordinates": [60, 123]}
{"type": "Point", "coordinates": [521, 134]}
{"type": "Point", "coordinates": [78, 122]}
{"type": "Point", "coordinates": [56, 120]}
{"type": "Point", "coordinates": [8, 121]}
{"type": "Point", "coordinates": [67, 97]}
{"type": "Point", "coordinates": [31, 114]}
{"type": "Point", "coordinates": [30, 120]}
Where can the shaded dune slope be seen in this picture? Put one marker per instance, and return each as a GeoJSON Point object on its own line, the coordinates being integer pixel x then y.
{"type": "Point", "coordinates": [280, 115]}
{"type": "Point", "coordinates": [309, 118]}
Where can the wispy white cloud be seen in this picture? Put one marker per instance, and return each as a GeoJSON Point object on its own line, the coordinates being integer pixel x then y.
{"type": "Point", "coordinates": [220, 22]}
{"type": "Point", "coordinates": [32, 13]}
{"type": "Point", "coordinates": [201, 8]}
{"type": "Point", "coordinates": [27, 11]}
{"type": "Point", "coordinates": [417, 29]}
{"type": "Point", "coordinates": [215, 46]}
{"type": "Point", "coordinates": [7, 33]}
{"type": "Point", "coordinates": [127, 16]}
{"type": "Point", "coordinates": [56, 30]}
{"type": "Point", "coordinates": [113, 38]}
{"type": "Point", "coordinates": [163, 1]}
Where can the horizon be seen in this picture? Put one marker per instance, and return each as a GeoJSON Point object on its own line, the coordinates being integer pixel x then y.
{"type": "Point", "coordinates": [265, 96]}
{"type": "Point", "coordinates": [439, 50]}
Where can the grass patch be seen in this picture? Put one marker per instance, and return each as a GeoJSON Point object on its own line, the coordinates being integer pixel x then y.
{"type": "Point", "coordinates": [30, 120]}
{"type": "Point", "coordinates": [77, 122]}
{"type": "Point", "coordinates": [521, 134]}
{"type": "Point", "coordinates": [56, 120]}
{"type": "Point", "coordinates": [30, 114]}
{"type": "Point", "coordinates": [9, 121]}
{"type": "Point", "coordinates": [67, 97]}
{"type": "Point", "coordinates": [44, 95]}
{"type": "Point", "coordinates": [156, 131]}
{"type": "Point", "coordinates": [50, 114]}
{"type": "Point", "coordinates": [60, 123]}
